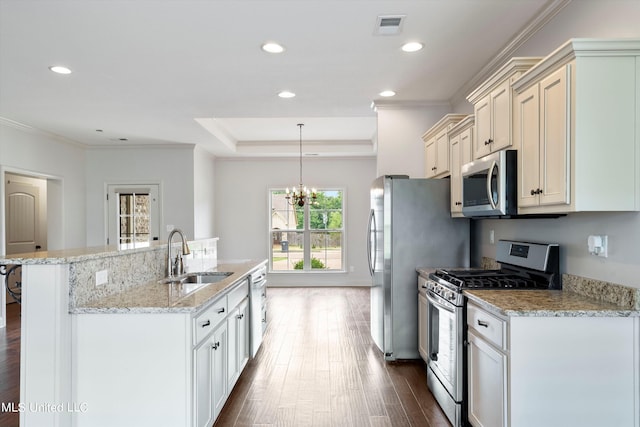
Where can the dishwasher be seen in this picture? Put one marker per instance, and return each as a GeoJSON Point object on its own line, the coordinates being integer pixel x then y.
{"type": "Point", "coordinates": [258, 299]}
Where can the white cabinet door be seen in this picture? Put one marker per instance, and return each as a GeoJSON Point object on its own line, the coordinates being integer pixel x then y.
{"type": "Point", "coordinates": [482, 144]}
{"type": "Point", "coordinates": [219, 368]}
{"type": "Point", "coordinates": [487, 379]}
{"type": "Point", "coordinates": [423, 327]}
{"type": "Point", "coordinates": [456, 183]}
{"type": "Point", "coordinates": [442, 153]}
{"type": "Point", "coordinates": [501, 117]}
{"type": "Point", "coordinates": [554, 139]}
{"type": "Point", "coordinates": [244, 334]}
{"type": "Point", "coordinates": [203, 383]}
{"type": "Point", "coordinates": [430, 158]}
{"type": "Point", "coordinates": [232, 348]}
{"type": "Point", "coordinates": [527, 130]}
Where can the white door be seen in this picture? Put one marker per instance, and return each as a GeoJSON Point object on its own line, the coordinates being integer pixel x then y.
{"type": "Point", "coordinates": [22, 204]}
{"type": "Point", "coordinates": [133, 215]}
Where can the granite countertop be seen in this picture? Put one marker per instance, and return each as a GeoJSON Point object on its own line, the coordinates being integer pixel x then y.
{"type": "Point", "coordinates": [67, 256]}
{"type": "Point", "coordinates": [155, 297]}
{"type": "Point", "coordinates": [545, 303]}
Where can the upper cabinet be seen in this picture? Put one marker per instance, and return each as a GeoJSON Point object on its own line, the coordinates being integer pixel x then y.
{"type": "Point", "coordinates": [576, 117]}
{"type": "Point", "coordinates": [460, 146]}
{"type": "Point", "coordinates": [493, 106]}
{"type": "Point", "coordinates": [436, 146]}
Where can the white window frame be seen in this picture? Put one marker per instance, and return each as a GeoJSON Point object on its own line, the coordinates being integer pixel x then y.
{"type": "Point", "coordinates": [307, 236]}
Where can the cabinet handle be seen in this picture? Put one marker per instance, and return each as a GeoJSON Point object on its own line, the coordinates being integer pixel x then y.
{"type": "Point", "coordinates": [536, 191]}
{"type": "Point", "coordinates": [215, 345]}
{"type": "Point", "coordinates": [207, 323]}
{"type": "Point", "coordinates": [434, 168]}
{"type": "Point", "coordinates": [483, 323]}
{"type": "Point", "coordinates": [240, 316]}
{"type": "Point", "coordinates": [533, 192]}
{"type": "Point", "coordinates": [220, 310]}
{"type": "Point", "coordinates": [488, 141]}
{"type": "Point", "coordinates": [539, 190]}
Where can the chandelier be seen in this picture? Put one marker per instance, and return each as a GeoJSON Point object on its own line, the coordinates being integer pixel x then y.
{"type": "Point", "coordinates": [299, 196]}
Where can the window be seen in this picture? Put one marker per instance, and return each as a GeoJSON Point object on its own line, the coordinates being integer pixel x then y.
{"type": "Point", "coordinates": [308, 238]}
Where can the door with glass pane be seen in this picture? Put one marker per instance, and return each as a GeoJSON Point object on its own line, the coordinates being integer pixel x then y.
{"type": "Point", "coordinates": [133, 215]}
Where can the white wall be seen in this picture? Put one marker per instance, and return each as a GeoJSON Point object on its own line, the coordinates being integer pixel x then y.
{"type": "Point", "coordinates": [242, 217]}
{"type": "Point", "coordinates": [171, 166]}
{"type": "Point", "coordinates": [584, 18]}
{"type": "Point", "coordinates": [203, 193]}
{"type": "Point", "coordinates": [399, 137]}
{"type": "Point", "coordinates": [29, 151]}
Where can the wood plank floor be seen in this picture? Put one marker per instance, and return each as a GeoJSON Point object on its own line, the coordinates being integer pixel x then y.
{"type": "Point", "coordinates": [10, 364]}
{"type": "Point", "coordinates": [319, 367]}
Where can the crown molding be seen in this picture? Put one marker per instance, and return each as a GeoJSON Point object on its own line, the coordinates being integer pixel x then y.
{"type": "Point", "coordinates": [36, 131]}
{"type": "Point", "coordinates": [407, 105]}
{"type": "Point", "coordinates": [550, 10]}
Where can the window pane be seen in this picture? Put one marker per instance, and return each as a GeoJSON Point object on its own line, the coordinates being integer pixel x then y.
{"type": "Point", "coordinates": [283, 215]}
{"type": "Point", "coordinates": [326, 250]}
{"type": "Point", "coordinates": [287, 250]}
{"type": "Point", "coordinates": [326, 212]}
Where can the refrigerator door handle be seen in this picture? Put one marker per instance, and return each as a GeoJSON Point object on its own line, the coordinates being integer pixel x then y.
{"type": "Point", "coordinates": [371, 226]}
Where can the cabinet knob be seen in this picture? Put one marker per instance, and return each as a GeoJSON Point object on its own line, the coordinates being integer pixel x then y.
{"type": "Point", "coordinates": [533, 192]}
{"type": "Point", "coordinates": [215, 345]}
{"type": "Point", "coordinates": [240, 316]}
{"type": "Point", "coordinates": [539, 190]}
{"type": "Point", "coordinates": [434, 168]}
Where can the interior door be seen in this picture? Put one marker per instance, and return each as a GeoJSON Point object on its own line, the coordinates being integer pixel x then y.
{"type": "Point", "coordinates": [133, 214]}
{"type": "Point", "coordinates": [22, 205]}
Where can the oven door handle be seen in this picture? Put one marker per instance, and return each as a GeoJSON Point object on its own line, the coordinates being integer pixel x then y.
{"type": "Point", "coordinates": [439, 304]}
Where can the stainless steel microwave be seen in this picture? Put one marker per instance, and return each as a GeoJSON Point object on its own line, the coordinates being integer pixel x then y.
{"type": "Point", "coordinates": [489, 185]}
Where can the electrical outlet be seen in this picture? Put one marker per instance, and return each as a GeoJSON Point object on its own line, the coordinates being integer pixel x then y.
{"type": "Point", "coordinates": [102, 277]}
{"type": "Point", "coordinates": [169, 228]}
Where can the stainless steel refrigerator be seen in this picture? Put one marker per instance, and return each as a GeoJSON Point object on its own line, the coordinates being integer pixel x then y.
{"type": "Point", "coordinates": [410, 226]}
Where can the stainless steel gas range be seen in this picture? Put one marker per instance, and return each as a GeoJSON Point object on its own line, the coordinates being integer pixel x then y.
{"type": "Point", "coordinates": [523, 265]}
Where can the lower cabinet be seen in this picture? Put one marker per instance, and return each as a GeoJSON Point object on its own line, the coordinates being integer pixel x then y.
{"type": "Point", "coordinates": [209, 376]}
{"type": "Point", "coordinates": [171, 369]}
{"type": "Point", "coordinates": [487, 378]}
{"type": "Point", "coordinates": [554, 371]}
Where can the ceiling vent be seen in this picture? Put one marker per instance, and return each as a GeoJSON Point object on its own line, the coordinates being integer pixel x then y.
{"type": "Point", "coordinates": [387, 25]}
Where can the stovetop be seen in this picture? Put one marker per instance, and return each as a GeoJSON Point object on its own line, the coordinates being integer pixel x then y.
{"type": "Point", "coordinates": [489, 279]}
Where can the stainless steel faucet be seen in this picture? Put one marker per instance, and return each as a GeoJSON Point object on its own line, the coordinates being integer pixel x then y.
{"type": "Point", "coordinates": [185, 251]}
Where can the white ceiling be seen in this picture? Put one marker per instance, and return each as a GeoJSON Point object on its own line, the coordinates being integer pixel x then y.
{"type": "Point", "coordinates": [162, 71]}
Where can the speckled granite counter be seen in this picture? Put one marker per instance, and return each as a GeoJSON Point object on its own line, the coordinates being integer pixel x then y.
{"type": "Point", "coordinates": [155, 297]}
{"type": "Point", "coordinates": [541, 303]}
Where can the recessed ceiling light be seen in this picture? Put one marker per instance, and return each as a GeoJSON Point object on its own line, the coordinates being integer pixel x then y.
{"type": "Point", "coordinates": [387, 93]}
{"type": "Point", "coordinates": [412, 46]}
{"type": "Point", "coordinates": [60, 69]}
{"type": "Point", "coordinates": [286, 94]}
{"type": "Point", "coordinates": [273, 48]}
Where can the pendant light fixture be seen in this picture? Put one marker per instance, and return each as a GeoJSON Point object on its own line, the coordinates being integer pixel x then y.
{"type": "Point", "coordinates": [299, 196]}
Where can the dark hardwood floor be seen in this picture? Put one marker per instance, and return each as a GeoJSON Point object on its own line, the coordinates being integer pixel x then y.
{"type": "Point", "coordinates": [319, 367]}
{"type": "Point", "coordinates": [10, 365]}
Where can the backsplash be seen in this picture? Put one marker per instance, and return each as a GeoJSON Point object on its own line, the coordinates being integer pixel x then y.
{"type": "Point", "coordinates": [624, 296]}
{"type": "Point", "coordinates": [133, 268]}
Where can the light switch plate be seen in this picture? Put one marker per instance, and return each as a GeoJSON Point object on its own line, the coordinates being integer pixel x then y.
{"type": "Point", "coordinates": [102, 277]}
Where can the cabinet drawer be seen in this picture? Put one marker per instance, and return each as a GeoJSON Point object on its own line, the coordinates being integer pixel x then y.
{"type": "Point", "coordinates": [238, 293]}
{"type": "Point", "coordinates": [206, 321]}
{"type": "Point", "coordinates": [488, 326]}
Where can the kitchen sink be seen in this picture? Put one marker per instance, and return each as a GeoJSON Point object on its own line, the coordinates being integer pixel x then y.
{"type": "Point", "coordinates": [181, 286]}
{"type": "Point", "coordinates": [208, 277]}
{"type": "Point", "coordinates": [198, 278]}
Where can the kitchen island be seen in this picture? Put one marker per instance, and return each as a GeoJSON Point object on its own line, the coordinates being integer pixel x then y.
{"type": "Point", "coordinates": [126, 350]}
{"type": "Point", "coordinates": [552, 358]}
